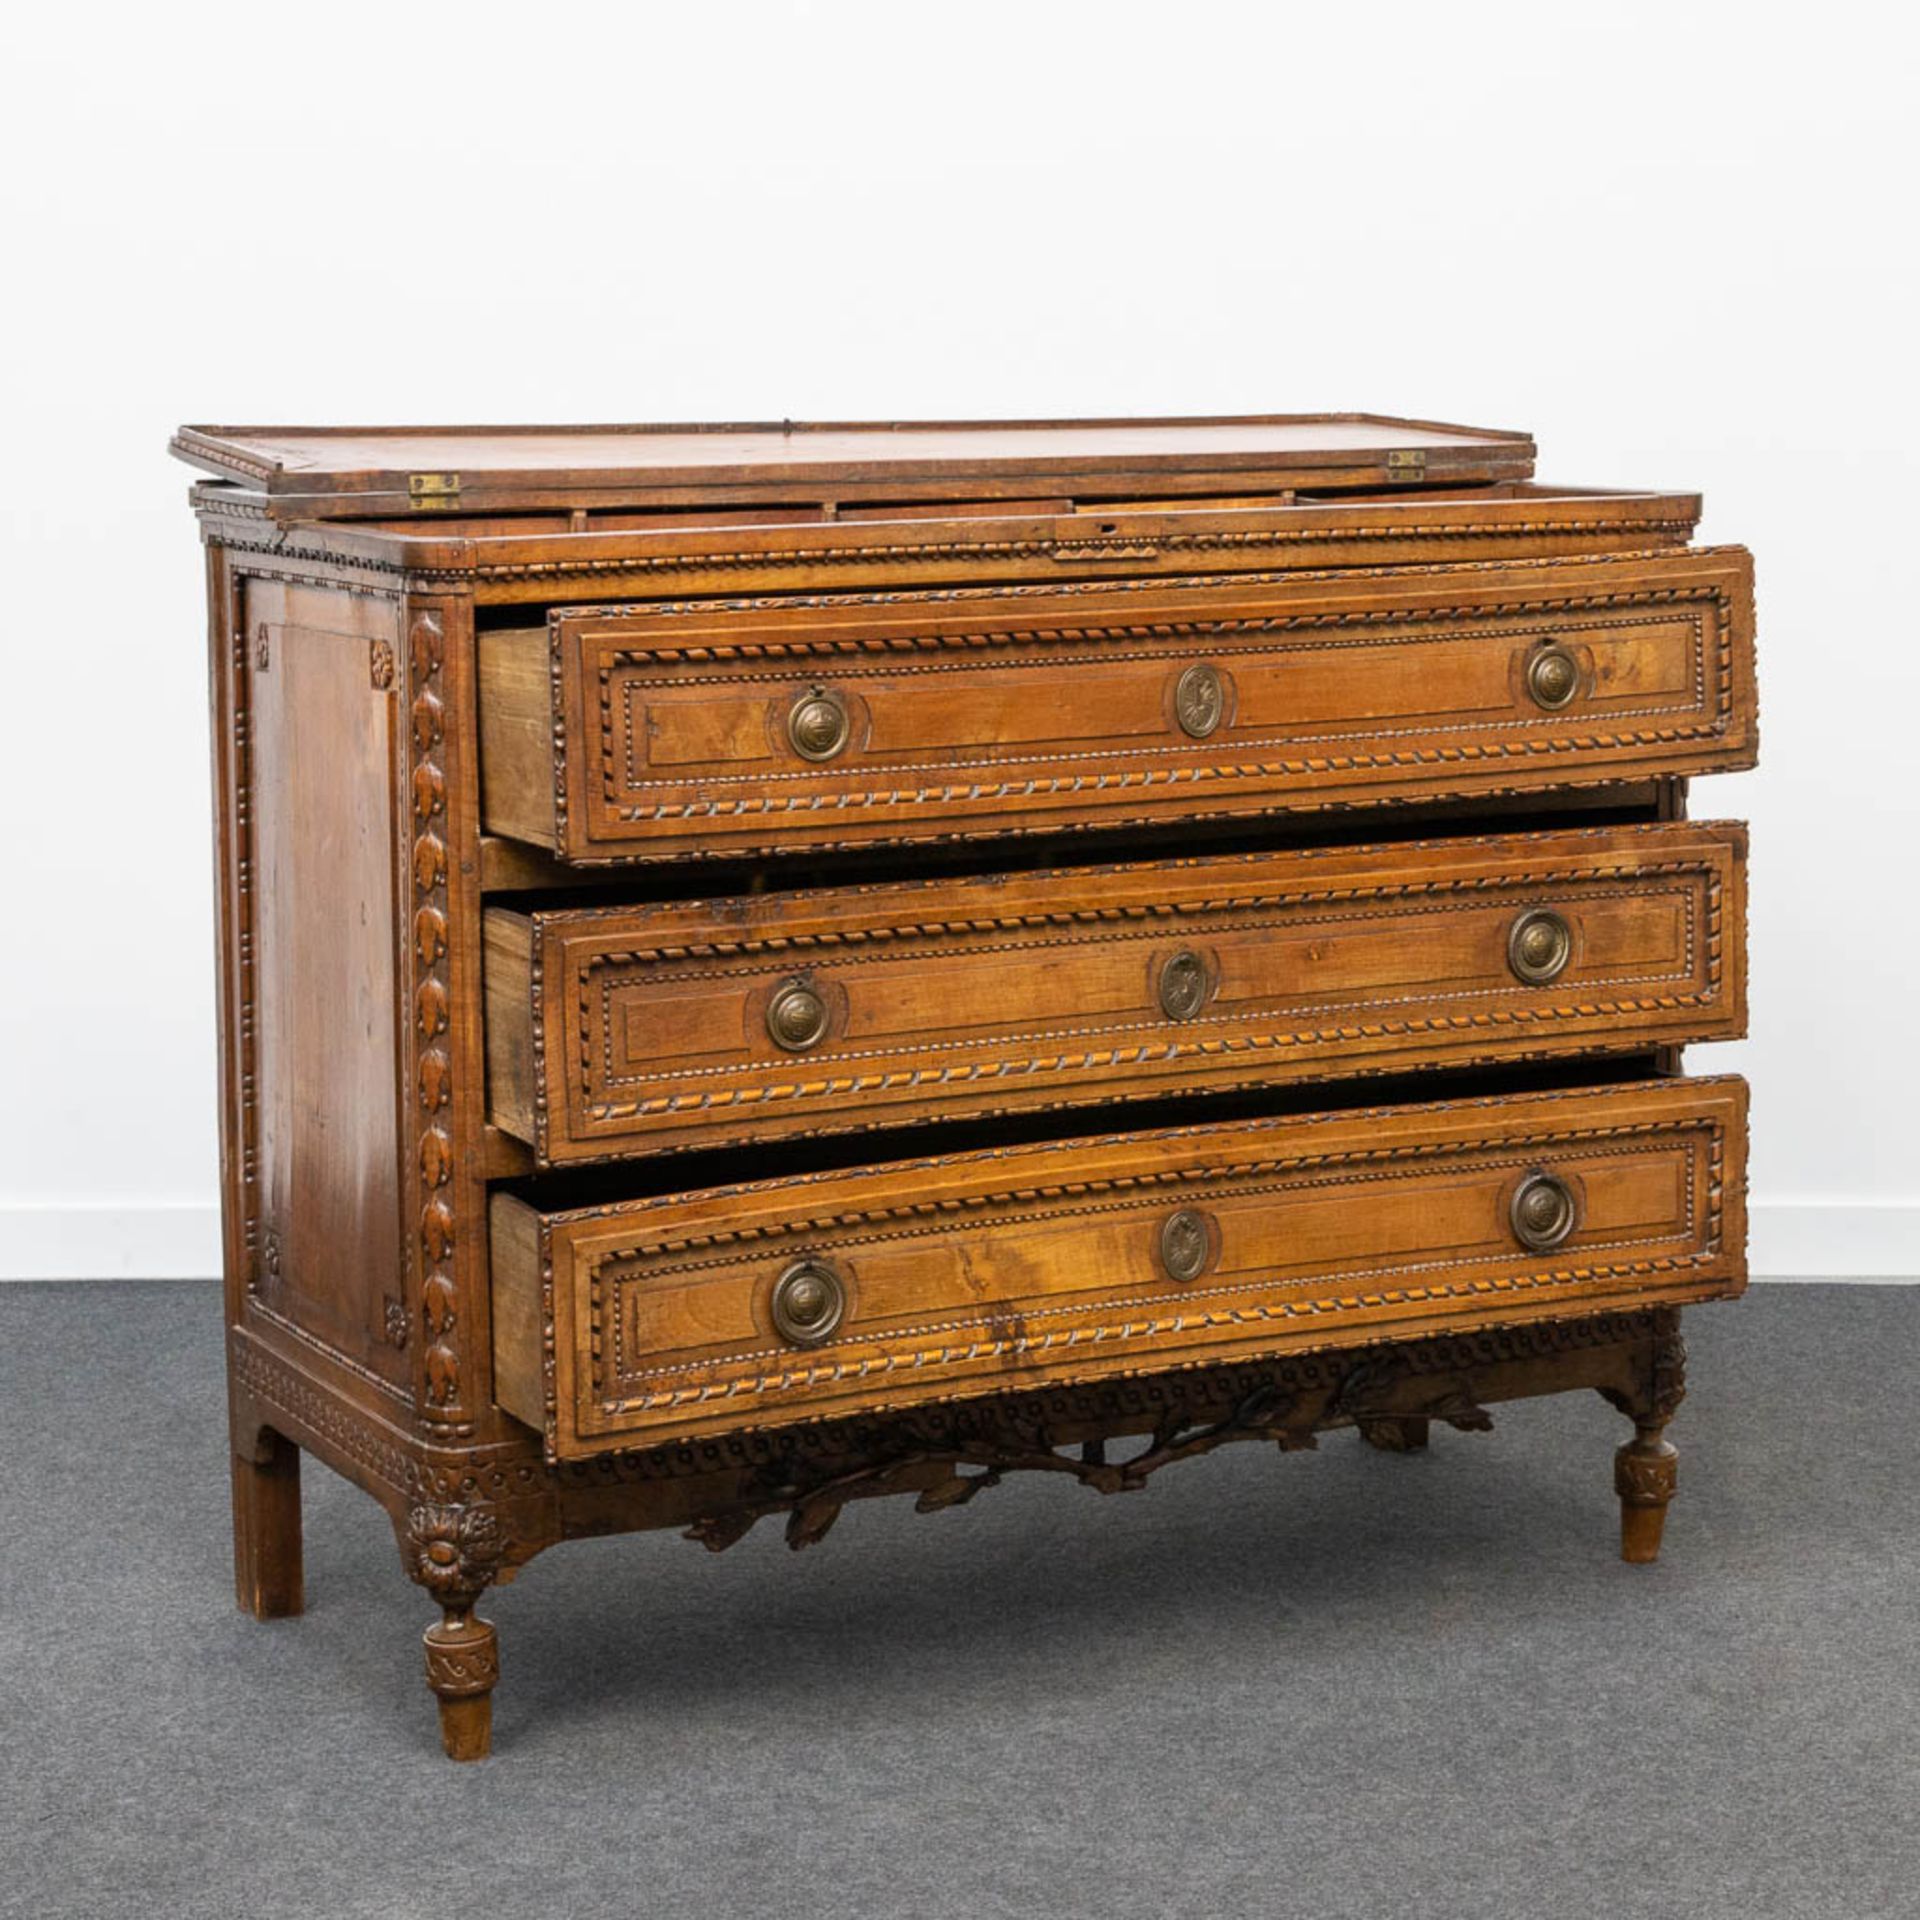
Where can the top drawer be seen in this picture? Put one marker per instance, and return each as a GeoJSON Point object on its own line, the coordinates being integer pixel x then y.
{"type": "Point", "coordinates": [733, 727]}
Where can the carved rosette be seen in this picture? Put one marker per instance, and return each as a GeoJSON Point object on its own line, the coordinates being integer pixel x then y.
{"type": "Point", "coordinates": [432, 1007]}
{"type": "Point", "coordinates": [454, 1552]}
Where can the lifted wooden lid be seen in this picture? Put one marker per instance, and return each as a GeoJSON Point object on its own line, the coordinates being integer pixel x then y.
{"type": "Point", "coordinates": [309, 473]}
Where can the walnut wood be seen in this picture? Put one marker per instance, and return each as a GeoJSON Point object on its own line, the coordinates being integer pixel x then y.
{"type": "Point", "coordinates": [973, 1272]}
{"type": "Point", "coordinates": [512, 866]}
{"type": "Point", "coordinates": [336, 471]}
{"type": "Point", "coordinates": [463, 1665]}
{"type": "Point", "coordinates": [373, 1016]}
{"type": "Point", "coordinates": [268, 1577]}
{"type": "Point", "coordinates": [533, 559]}
{"type": "Point", "coordinates": [1002, 992]}
{"type": "Point", "coordinates": [1045, 709]}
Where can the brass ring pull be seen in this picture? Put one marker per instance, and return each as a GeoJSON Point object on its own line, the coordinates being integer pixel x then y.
{"type": "Point", "coordinates": [796, 1017]}
{"type": "Point", "coordinates": [1543, 1212]}
{"type": "Point", "coordinates": [1183, 985]}
{"type": "Point", "coordinates": [808, 1301]}
{"type": "Point", "coordinates": [819, 725]}
{"type": "Point", "coordinates": [1553, 677]}
{"type": "Point", "coordinates": [1539, 946]}
{"type": "Point", "coordinates": [1184, 1248]}
{"type": "Point", "coordinates": [1200, 700]}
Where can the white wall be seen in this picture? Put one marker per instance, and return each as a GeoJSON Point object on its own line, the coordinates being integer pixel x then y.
{"type": "Point", "coordinates": [1676, 244]}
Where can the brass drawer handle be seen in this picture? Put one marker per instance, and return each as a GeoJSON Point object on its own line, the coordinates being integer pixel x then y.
{"type": "Point", "coordinates": [819, 725]}
{"type": "Point", "coordinates": [1539, 945]}
{"type": "Point", "coordinates": [808, 1301]}
{"type": "Point", "coordinates": [1544, 1211]}
{"type": "Point", "coordinates": [1553, 677]}
{"type": "Point", "coordinates": [1200, 700]}
{"type": "Point", "coordinates": [1183, 985]}
{"type": "Point", "coordinates": [1184, 1244]}
{"type": "Point", "coordinates": [796, 1017]}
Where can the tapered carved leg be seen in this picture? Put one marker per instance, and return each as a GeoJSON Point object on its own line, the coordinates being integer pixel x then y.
{"type": "Point", "coordinates": [268, 1580]}
{"type": "Point", "coordinates": [1646, 1470]}
{"type": "Point", "coordinates": [455, 1552]}
{"type": "Point", "coordinates": [463, 1662]}
{"type": "Point", "coordinates": [1645, 1473]}
{"type": "Point", "coordinates": [1395, 1435]}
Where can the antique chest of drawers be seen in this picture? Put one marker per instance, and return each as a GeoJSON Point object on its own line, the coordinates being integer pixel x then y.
{"type": "Point", "coordinates": [764, 967]}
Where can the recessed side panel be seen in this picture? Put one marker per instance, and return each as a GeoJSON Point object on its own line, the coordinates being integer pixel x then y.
{"type": "Point", "coordinates": [324, 753]}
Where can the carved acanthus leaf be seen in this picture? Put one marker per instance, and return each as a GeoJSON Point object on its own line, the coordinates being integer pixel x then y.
{"type": "Point", "coordinates": [966, 1469]}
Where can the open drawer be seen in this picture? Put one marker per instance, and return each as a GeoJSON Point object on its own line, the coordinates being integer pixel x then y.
{"type": "Point", "coordinates": [614, 1030]}
{"type": "Point", "coordinates": [839, 720]}
{"type": "Point", "coordinates": [654, 1320]}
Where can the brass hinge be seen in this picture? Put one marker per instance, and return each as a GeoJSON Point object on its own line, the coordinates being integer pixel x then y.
{"type": "Point", "coordinates": [428, 490]}
{"type": "Point", "coordinates": [1409, 465]}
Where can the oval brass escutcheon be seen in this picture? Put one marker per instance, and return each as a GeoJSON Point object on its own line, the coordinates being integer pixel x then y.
{"type": "Point", "coordinates": [1553, 677]}
{"type": "Point", "coordinates": [1543, 1212]}
{"type": "Point", "coordinates": [1183, 985]}
{"type": "Point", "coordinates": [819, 725]}
{"type": "Point", "coordinates": [796, 1017]}
{"type": "Point", "coordinates": [1539, 945]}
{"type": "Point", "coordinates": [1200, 700]}
{"type": "Point", "coordinates": [808, 1300]}
{"type": "Point", "coordinates": [1183, 1244]}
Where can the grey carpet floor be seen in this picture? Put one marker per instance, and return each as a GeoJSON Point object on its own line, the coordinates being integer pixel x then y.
{"type": "Point", "coordinates": [1340, 1685]}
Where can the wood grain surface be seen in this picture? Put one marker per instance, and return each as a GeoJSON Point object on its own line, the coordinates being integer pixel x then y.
{"type": "Point", "coordinates": [977, 1272]}
{"type": "Point", "coordinates": [618, 1028]}
{"type": "Point", "coordinates": [668, 730]}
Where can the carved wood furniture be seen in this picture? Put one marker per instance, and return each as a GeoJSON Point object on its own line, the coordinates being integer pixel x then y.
{"type": "Point", "coordinates": [763, 967]}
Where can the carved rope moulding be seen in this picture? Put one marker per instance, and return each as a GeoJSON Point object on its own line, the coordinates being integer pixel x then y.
{"type": "Point", "coordinates": [1188, 754]}
{"type": "Point", "coordinates": [238, 526]}
{"type": "Point", "coordinates": [1708, 595]}
{"type": "Point", "coordinates": [1568, 1286]}
{"type": "Point", "coordinates": [798, 1186]}
{"type": "Point", "coordinates": [1519, 571]}
{"type": "Point", "coordinates": [779, 1371]}
{"type": "Point", "coordinates": [598, 1019]}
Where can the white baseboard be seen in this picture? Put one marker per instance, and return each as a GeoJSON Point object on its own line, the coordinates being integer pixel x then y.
{"type": "Point", "coordinates": [1792, 1240]}
{"type": "Point", "coordinates": [81, 1240]}
{"type": "Point", "coordinates": [1834, 1239]}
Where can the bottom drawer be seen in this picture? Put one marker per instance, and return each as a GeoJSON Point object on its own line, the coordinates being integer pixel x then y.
{"type": "Point", "coordinates": [891, 1286]}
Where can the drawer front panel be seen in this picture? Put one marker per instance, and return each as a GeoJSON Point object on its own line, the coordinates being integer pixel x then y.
{"type": "Point", "coordinates": [844, 720]}
{"type": "Point", "coordinates": [614, 1030]}
{"type": "Point", "coordinates": [893, 1287]}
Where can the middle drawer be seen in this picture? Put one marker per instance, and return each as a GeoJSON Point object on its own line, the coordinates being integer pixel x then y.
{"type": "Point", "coordinates": [618, 1029]}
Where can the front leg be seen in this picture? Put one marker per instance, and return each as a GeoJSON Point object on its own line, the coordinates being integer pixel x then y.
{"type": "Point", "coordinates": [463, 1662]}
{"type": "Point", "coordinates": [1646, 1471]}
{"type": "Point", "coordinates": [455, 1553]}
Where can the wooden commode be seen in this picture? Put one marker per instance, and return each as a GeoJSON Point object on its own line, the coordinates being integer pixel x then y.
{"type": "Point", "coordinates": [767, 966]}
